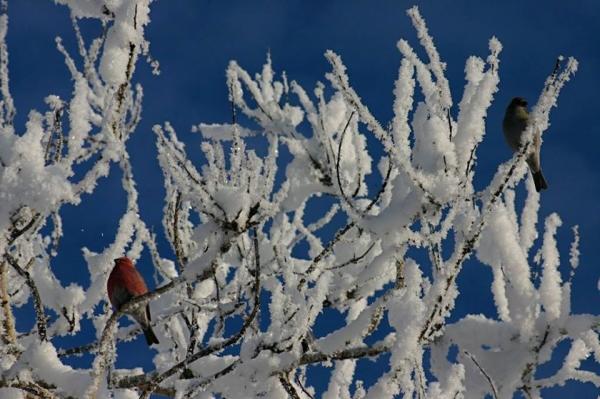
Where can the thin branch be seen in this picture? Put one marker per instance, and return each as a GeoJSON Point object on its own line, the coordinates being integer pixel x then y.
{"type": "Point", "coordinates": [399, 283]}
{"type": "Point", "coordinates": [340, 233]}
{"type": "Point", "coordinates": [345, 354]}
{"type": "Point", "coordinates": [212, 378]}
{"type": "Point", "coordinates": [297, 379]}
{"type": "Point", "coordinates": [16, 233]}
{"type": "Point", "coordinates": [37, 301]}
{"type": "Point", "coordinates": [7, 107]}
{"type": "Point", "coordinates": [554, 74]}
{"type": "Point", "coordinates": [354, 260]}
{"type": "Point", "coordinates": [156, 380]}
{"type": "Point", "coordinates": [55, 140]}
{"type": "Point", "coordinates": [529, 371]}
{"type": "Point", "coordinates": [374, 126]}
{"type": "Point", "coordinates": [30, 387]}
{"type": "Point", "coordinates": [101, 361]}
{"type": "Point", "coordinates": [328, 249]}
{"type": "Point", "coordinates": [471, 161]}
{"type": "Point", "coordinates": [179, 253]}
{"type": "Point", "coordinates": [384, 184]}
{"type": "Point", "coordinates": [420, 376]}
{"type": "Point", "coordinates": [8, 322]}
{"type": "Point", "coordinates": [129, 334]}
{"type": "Point", "coordinates": [338, 160]}
{"type": "Point", "coordinates": [468, 245]}
{"type": "Point", "coordinates": [120, 95]}
{"type": "Point", "coordinates": [485, 374]}
{"type": "Point", "coordinates": [287, 385]}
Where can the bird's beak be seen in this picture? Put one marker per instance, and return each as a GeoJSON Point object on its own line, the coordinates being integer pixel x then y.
{"type": "Point", "coordinates": [116, 259]}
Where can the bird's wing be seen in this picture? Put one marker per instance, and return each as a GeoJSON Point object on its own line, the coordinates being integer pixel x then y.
{"type": "Point", "coordinates": [135, 282]}
{"type": "Point", "coordinates": [119, 296]}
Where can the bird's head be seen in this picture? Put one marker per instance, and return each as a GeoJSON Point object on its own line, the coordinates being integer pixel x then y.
{"type": "Point", "coordinates": [518, 102]}
{"type": "Point", "coordinates": [124, 262]}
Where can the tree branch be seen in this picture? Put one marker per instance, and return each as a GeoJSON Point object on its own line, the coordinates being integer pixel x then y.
{"type": "Point", "coordinates": [155, 381]}
{"type": "Point", "coordinates": [37, 301]}
{"type": "Point", "coordinates": [468, 245]}
{"type": "Point", "coordinates": [287, 385]}
{"type": "Point", "coordinates": [9, 335]}
{"type": "Point", "coordinates": [338, 160]}
{"type": "Point", "coordinates": [31, 387]}
{"type": "Point", "coordinates": [485, 374]}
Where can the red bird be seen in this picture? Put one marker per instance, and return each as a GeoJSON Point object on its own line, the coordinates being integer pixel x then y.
{"type": "Point", "coordinates": [124, 283]}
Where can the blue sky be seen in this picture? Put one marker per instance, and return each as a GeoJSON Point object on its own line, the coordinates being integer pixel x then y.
{"type": "Point", "coordinates": [194, 41]}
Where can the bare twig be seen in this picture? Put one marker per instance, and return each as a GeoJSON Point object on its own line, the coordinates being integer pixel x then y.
{"type": "Point", "coordinates": [471, 160]}
{"type": "Point", "coordinates": [329, 248]}
{"type": "Point", "coordinates": [384, 184]}
{"type": "Point", "coordinates": [212, 378]}
{"type": "Point", "coordinates": [338, 160]}
{"type": "Point", "coordinates": [485, 374]}
{"type": "Point", "coordinates": [354, 259]}
{"type": "Point", "coordinates": [297, 379]}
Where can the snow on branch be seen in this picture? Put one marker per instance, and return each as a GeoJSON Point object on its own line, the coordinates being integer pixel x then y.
{"type": "Point", "coordinates": [264, 249]}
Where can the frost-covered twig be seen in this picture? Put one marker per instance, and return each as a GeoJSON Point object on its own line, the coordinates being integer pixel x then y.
{"type": "Point", "coordinates": [239, 233]}
{"type": "Point", "coordinates": [337, 162]}
{"type": "Point", "coordinates": [200, 385]}
{"type": "Point", "coordinates": [16, 232]}
{"type": "Point", "coordinates": [355, 259]}
{"type": "Point", "coordinates": [9, 333]}
{"type": "Point", "coordinates": [340, 82]}
{"type": "Point", "coordinates": [485, 374]}
{"type": "Point", "coordinates": [288, 386]}
{"type": "Point", "coordinates": [7, 105]}
{"type": "Point", "coordinates": [34, 388]}
{"type": "Point", "coordinates": [37, 300]}
{"type": "Point", "coordinates": [106, 343]}
{"type": "Point", "coordinates": [469, 244]}
{"type": "Point", "coordinates": [181, 258]}
{"type": "Point", "coordinates": [155, 381]}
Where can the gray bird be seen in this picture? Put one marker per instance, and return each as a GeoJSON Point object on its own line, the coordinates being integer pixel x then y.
{"type": "Point", "coordinates": [514, 124]}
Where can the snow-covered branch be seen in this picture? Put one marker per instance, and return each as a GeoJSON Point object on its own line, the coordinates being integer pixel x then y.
{"type": "Point", "coordinates": [269, 245]}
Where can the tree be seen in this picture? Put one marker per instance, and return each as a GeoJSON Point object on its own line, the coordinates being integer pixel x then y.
{"type": "Point", "coordinates": [238, 301]}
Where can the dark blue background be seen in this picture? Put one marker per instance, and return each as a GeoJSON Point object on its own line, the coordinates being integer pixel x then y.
{"type": "Point", "coordinates": [194, 41]}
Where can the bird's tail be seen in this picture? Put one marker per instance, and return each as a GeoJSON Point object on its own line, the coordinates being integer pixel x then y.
{"type": "Point", "coordinates": [150, 336]}
{"type": "Point", "coordinates": [539, 181]}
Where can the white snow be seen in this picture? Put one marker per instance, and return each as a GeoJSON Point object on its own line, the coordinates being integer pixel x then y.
{"type": "Point", "coordinates": [256, 264]}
